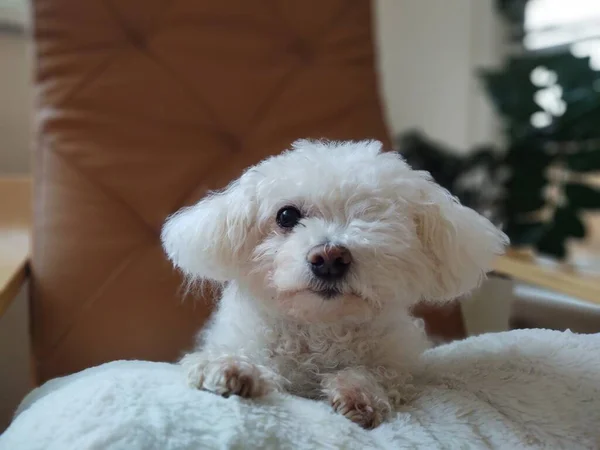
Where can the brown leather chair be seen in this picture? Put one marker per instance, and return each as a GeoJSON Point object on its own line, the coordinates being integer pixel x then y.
{"type": "Point", "coordinates": [144, 105]}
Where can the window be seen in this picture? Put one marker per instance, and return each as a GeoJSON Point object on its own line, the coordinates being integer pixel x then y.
{"type": "Point", "coordinates": [559, 25]}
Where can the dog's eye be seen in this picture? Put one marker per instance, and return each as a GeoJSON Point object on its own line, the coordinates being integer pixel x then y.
{"type": "Point", "coordinates": [288, 217]}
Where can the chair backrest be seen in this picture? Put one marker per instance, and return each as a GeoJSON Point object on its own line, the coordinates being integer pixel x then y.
{"type": "Point", "coordinates": [144, 105]}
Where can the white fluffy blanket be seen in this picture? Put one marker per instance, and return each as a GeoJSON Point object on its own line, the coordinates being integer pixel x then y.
{"type": "Point", "coordinates": [515, 390]}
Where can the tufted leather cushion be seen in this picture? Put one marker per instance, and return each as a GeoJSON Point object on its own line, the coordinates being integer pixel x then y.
{"type": "Point", "coordinates": [143, 105]}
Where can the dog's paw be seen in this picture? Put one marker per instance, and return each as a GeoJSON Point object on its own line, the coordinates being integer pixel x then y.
{"type": "Point", "coordinates": [358, 406]}
{"type": "Point", "coordinates": [358, 396]}
{"type": "Point", "coordinates": [227, 376]}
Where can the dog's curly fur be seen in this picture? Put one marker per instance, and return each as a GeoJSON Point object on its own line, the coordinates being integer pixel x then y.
{"type": "Point", "coordinates": [410, 240]}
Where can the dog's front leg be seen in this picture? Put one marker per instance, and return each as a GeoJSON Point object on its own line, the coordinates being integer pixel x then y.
{"type": "Point", "coordinates": [356, 394]}
{"type": "Point", "coordinates": [229, 374]}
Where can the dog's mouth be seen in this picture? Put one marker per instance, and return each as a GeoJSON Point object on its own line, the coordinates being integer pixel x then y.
{"type": "Point", "coordinates": [327, 293]}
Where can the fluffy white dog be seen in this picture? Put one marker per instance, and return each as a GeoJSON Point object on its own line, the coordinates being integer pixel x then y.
{"type": "Point", "coordinates": [322, 251]}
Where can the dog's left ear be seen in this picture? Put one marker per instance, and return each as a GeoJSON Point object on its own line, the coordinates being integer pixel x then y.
{"type": "Point", "coordinates": [460, 245]}
{"type": "Point", "coordinates": [212, 239]}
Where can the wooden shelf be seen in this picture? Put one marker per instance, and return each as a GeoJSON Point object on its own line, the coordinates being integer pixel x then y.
{"type": "Point", "coordinates": [15, 240]}
{"type": "Point", "coordinates": [562, 278]}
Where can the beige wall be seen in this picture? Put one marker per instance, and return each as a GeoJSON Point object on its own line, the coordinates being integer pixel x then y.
{"type": "Point", "coordinates": [429, 51]}
{"type": "Point", "coordinates": [16, 96]}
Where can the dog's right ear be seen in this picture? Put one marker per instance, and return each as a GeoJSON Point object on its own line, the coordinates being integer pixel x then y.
{"type": "Point", "coordinates": [210, 240]}
{"type": "Point", "coordinates": [459, 244]}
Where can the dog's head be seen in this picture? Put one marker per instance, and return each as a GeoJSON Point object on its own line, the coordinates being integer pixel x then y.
{"type": "Point", "coordinates": [331, 231]}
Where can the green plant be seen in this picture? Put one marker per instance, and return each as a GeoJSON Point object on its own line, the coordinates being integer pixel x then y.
{"type": "Point", "coordinates": [550, 108]}
{"type": "Point", "coordinates": [514, 12]}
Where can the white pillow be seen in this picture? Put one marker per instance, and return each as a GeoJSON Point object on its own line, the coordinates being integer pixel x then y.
{"type": "Point", "coordinates": [515, 390]}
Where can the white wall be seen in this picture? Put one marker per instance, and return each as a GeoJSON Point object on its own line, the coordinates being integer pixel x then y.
{"type": "Point", "coordinates": [429, 51]}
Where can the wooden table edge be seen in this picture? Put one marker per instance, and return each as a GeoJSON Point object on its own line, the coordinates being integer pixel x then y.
{"type": "Point", "coordinates": [16, 195]}
{"type": "Point", "coordinates": [551, 278]}
{"type": "Point", "coordinates": [10, 289]}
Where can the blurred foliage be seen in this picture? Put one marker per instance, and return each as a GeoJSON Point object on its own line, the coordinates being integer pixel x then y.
{"type": "Point", "coordinates": [570, 143]}
{"type": "Point", "coordinates": [476, 178]}
{"type": "Point", "coordinates": [512, 10]}
{"type": "Point", "coordinates": [540, 200]}
{"type": "Point", "coordinates": [513, 93]}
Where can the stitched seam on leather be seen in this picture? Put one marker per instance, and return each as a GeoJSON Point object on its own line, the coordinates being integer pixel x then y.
{"type": "Point", "coordinates": [101, 67]}
{"type": "Point", "coordinates": [132, 35]}
{"type": "Point", "coordinates": [258, 117]}
{"type": "Point", "coordinates": [265, 106]}
{"type": "Point", "coordinates": [108, 193]}
{"type": "Point", "coordinates": [93, 75]}
{"type": "Point", "coordinates": [212, 115]}
{"type": "Point", "coordinates": [334, 117]}
{"type": "Point", "coordinates": [89, 77]}
{"type": "Point", "coordinates": [263, 109]}
{"type": "Point", "coordinates": [344, 8]}
{"type": "Point", "coordinates": [86, 306]}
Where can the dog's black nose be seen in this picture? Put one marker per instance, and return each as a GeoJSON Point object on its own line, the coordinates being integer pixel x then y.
{"type": "Point", "coordinates": [329, 262]}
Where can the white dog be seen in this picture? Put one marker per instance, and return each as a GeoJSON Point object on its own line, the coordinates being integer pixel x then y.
{"type": "Point", "coordinates": [322, 251]}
